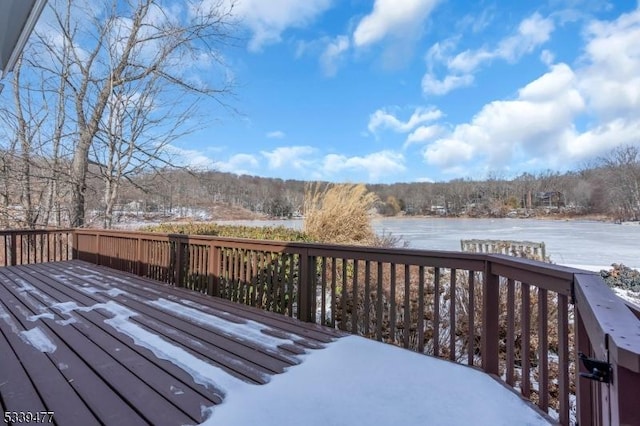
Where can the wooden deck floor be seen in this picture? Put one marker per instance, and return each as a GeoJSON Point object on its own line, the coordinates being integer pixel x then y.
{"type": "Point", "coordinates": [98, 346]}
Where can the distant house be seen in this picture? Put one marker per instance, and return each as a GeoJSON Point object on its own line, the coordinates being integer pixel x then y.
{"type": "Point", "coordinates": [549, 199]}
{"type": "Point", "coordinates": [437, 209]}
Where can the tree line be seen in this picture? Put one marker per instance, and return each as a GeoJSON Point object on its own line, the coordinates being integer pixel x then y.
{"type": "Point", "coordinates": [610, 186]}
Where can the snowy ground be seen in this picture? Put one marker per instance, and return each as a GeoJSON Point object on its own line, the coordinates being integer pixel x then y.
{"type": "Point", "coordinates": [359, 381]}
{"type": "Point", "coordinates": [628, 295]}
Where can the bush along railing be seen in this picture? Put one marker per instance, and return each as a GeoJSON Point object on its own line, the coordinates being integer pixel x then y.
{"type": "Point", "coordinates": [544, 330]}
{"type": "Point", "coordinates": [20, 247]}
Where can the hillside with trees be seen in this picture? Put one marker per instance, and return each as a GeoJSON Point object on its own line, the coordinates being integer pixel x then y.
{"type": "Point", "coordinates": [609, 188]}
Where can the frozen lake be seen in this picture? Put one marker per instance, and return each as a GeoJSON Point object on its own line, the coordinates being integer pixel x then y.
{"type": "Point", "coordinates": [576, 243]}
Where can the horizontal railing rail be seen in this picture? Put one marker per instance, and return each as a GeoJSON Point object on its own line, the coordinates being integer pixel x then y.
{"type": "Point", "coordinates": [527, 323]}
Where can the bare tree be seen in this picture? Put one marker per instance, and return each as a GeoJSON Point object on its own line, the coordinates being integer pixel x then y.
{"type": "Point", "coordinates": [23, 123]}
{"type": "Point", "coordinates": [113, 48]}
{"type": "Point", "coordinates": [135, 135]}
{"type": "Point", "coordinates": [622, 174]}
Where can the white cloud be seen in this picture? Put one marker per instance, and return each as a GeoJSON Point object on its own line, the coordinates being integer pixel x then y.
{"type": "Point", "coordinates": [441, 51]}
{"type": "Point", "coordinates": [395, 18]}
{"type": "Point", "coordinates": [476, 23]}
{"type": "Point", "coordinates": [603, 138]}
{"type": "Point", "coordinates": [383, 119]}
{"type": "Point", "coordinates": [189, 158]}
{"type": "Point", "coordinates": [423, 134]}
{"type": "Point", "coordinates": [332, 54]}
{"type": "Point", "coordinates": [376, 165]}
{"type": "Point", "coordinates": [611, 80]}
{"type": "Point", "coordinates": [547, 57]}
{"type": "Point", "coordinates": [469, 60]}
{"type": "Point", "coordinates": [447, 153]}
{"type": "Point", "coordinates": [425, 179]}
{"type": "Point", "coordinates": [535, 123]}
{"type": "Point", "coordinates": [240, 164]}
{"type": "Point", "coordinates": [198, 160]}
{"type": "Point", "coordinates": [289, 156]}
{"type": "Point", "coordinates": [267, 20]}
{"type": "Point", "coordinates": [276, 134]}
{"type": "Point", "coordinates": [432, 86]}
{"type": "Point", "coordinates": [532, 32]}
{"type": "Point", "coordinates": [538, 127]}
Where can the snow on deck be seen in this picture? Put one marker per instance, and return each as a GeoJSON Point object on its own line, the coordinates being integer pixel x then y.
{"type": "Point", "coordinates": [352, 380]}
{"type": "Point", "coordinates": [38, 339]}
{"type": "Point", "coordinates": [362, 382]}
{"type": "Point", "coordinates": [246, 331]}
{"type": "Point", "coordinates": [202, 372]}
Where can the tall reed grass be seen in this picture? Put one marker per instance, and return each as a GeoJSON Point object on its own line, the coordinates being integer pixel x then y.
{"type": "Point", "coordinates": [339, 214]}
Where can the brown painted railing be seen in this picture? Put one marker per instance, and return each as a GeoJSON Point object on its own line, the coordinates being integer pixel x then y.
{"type": "Point", "coordinates": [19, 247]}
{"type": "Point", "coordinates": [521, 321]}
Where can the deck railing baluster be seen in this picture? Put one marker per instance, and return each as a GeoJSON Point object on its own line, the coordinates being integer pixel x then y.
{"type": "Point", "coordinates": [334, 300]}
{"type": "Point", "coordinates": [392, 304]}
{"type": "Point", "coordinates": [563, 359]}
{"type": "Point", "coordinates": [323, 289]}
{"type": "Point", "coordinates": [525, 360]}
{"type": "Point", "coordinates": [343, 297]}
{"type": "Point", "coordinates": [436, 312]}
{"type": "Point", "coordinates": [420, 314]}
{"type": "Point", "coordinates": [452, 315]}
{"type": "Point", "coordinates": [511, 323]}
{"type": "Point", "coordinates": [354, 308]}
{"type": "Point", "coordinates": [292, 284]}
{"type": "Point", "coordinates": [472, 320]}
{"type": "Point", "coordinates": [543, 351]}
{"type": "Point", "coordinates": [407, 307]}
{"type": "Point", "coordinates": [367, 297]}
{"type": "Point", "coordinates": [379, 303]}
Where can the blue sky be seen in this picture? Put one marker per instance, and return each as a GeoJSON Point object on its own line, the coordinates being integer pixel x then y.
{"type": "Point", "coordinates": [424, 90]}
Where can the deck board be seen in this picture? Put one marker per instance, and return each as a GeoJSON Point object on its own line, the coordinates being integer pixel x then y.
{"type": "Point", "coordinates": [193, 338]}
{"type": "Point", "coordinates": [100, 372]}
{"type": "Point", "coordinates": [279, 322]}
{"type": "Point", "coordinates": [158, 320]}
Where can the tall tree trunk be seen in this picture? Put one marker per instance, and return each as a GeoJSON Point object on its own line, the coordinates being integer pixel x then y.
{"type": "Point", "coordinates": [79, 168]}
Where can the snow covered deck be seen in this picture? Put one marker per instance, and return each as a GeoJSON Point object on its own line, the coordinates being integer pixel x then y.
{"type": "Point", "coordinates": [95, 345]}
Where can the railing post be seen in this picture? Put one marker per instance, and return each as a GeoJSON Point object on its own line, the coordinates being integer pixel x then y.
{"type": "Point", "coordinates": [14, 249]}
{"type": "Point", "coordinates": [490, 311]}
{"type": "Point", "coordinates": [178, 263]}
{"type": "Point", "coordinates": [97, 248]}
{"type": "Point", "coordinates": [214, 270]}
{"type": "Point", "coordinates": [624, 396]}
{"type": "Point", "coordinates": [305, 284]}
{"type": "Point", "coordinates": [75, 254]}
{"type": "Point", "coordinates": [584, 388]}
{"type": "Point", "coordinates": [139, 257]}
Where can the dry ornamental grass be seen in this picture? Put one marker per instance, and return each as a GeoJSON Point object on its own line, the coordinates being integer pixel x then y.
{"type": "Point", "coordinates": [339, 214]}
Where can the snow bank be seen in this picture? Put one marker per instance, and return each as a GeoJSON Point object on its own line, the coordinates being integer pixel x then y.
{"type": "Point", "coordinates": [359, 381]}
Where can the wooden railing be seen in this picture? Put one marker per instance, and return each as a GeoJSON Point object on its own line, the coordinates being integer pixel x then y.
{"type": "Point", "coordinates": [524, 322]}
{"type": "Point", "coordinates": [21, 247]}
